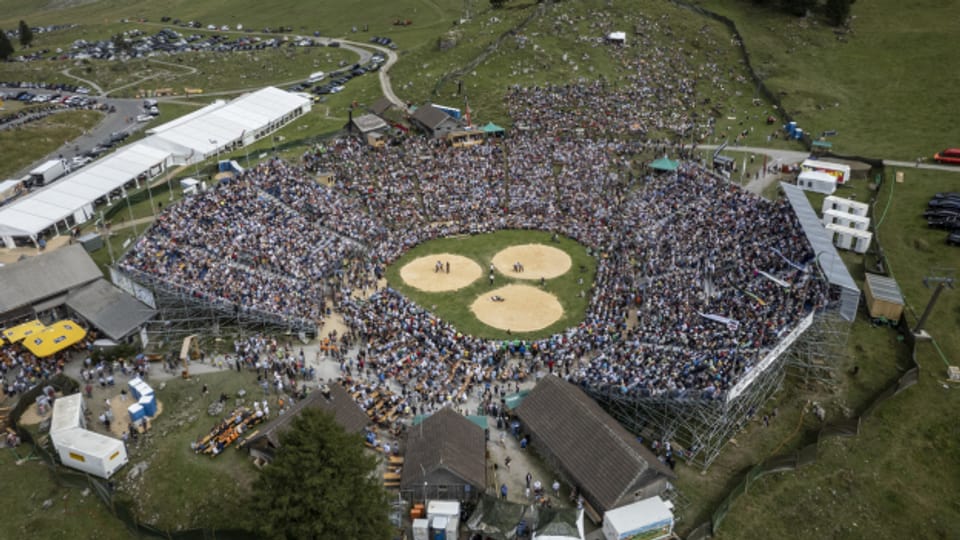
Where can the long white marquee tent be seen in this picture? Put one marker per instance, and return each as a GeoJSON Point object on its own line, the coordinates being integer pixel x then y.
{"type": "Point", "coordinates": [216, 128]}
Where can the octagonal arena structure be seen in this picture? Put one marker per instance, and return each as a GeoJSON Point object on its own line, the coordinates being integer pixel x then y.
{"type": "Point", "coordinates": [699, 295]}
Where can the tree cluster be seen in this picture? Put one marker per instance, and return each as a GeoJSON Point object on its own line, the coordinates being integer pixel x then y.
{"type": "Point", "coordinates": [25, 35]}
{"type": "Point", "coordinates": [836, 11]}
{"type": "Point", "coordinates": [321, 484]}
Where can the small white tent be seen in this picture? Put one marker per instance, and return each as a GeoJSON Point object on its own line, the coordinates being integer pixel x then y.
{"type": "Point", "coordinates": [617, 37]}
{"type": "Point", "coordinates": [819, 182]}
{"type": "Point", "coordinates": [80, 449]}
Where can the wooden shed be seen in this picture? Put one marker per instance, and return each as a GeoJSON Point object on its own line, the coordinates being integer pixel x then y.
{"type": "Point", "coordinates": [883, 297]}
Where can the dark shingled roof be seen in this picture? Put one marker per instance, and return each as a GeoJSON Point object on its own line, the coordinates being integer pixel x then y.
{"type": "Point", "coordinates": [345, 411]}
{"type": "Point", "coordinates": [430, 116]}
{"type": "Point", "coordinates": [598, 454]}
{"type": "Point", "coordinates": [113, 311]}
{"type": "Point", "coordinates": [381, 106]}
{"type": "Point", "coordinates": [445, 440]}
{"type": "Point", "coordinates": [29, 281]}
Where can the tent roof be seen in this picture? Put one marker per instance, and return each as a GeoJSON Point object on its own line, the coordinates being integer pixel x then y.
{"type": "Point", "coordinates": [498, 519]}
{"type": "Point", "coordinates": [217, 125]}
{"type": "Point", "coordinates": [492, 128]}
{"type": "Point", "coordinates": [559, 523]}
{"type": "Point", "coordinates": [32, 214]}
{"type": "Point", "coordinates": [446, 440]}
{"type": "Point", "coordinates": [36, 278]}
{"type": "Point", "coordinates": [599, 455]}
{"type": "Point", "coordinates": [21, 331]}
{"type": "Point", "coordinates": [67, 413]}
{"type": "Point", "coordinates": [821, 243]}
{"type": "Point", "coordinates": [110, 309]}
{"type": "Point", "coordinates": [54, 338]}
{"type": "Point", "coordinates": [665, 164]}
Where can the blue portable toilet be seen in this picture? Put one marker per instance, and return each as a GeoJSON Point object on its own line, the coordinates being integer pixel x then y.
{"type": "Point", "coordinates": [791, 128]}
{"type": "Point", "coordinates": [136, 412]}
{"type": "Point", "coordinates": [134, 386]}
{"type": "Point", "coordinates": [798, 134]}
{"type": "Point", "coordinates": [149, 404]}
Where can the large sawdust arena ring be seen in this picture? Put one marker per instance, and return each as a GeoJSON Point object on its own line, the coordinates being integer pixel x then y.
{"type": "Point", "coordinates": [524, 308]}
{"type": "Point", "coordinates": [538, 260]}
{"type": "Point", "coordinates": [421, 272]}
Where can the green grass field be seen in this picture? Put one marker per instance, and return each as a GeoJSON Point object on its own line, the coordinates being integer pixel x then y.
{"type": "Point", "coordinates": [887, 88]}
{"type": "Point", "coordinates": [454, 306]}
{"type": "Point", "coordinates": [180, 489]}
{"type": "Point", "coordinates": [22, 146]}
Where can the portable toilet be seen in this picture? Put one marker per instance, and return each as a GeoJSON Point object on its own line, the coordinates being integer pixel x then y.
{"type": "Point", "coordinates": [134, 385]}
{"type": "Point", "coordinates": [791, 128]}
{"type": "Point", "coordinates": [798, 134]}
{"type": "Point", "coordinates": [149, 404]}
{"type": "Point", "coordinates": [439, 527]}
{"type": "Point", "coordinates": [136, 412]}
{"type": "Point", "coordinates": [421, 529]}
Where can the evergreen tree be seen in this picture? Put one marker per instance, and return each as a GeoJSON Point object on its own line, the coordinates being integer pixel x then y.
{"type": "Point", "coordinates": [6, 48]}
{"type": "Point", "coordinates": [26, 34]}
{"type": "Point", "coordinates": [321, 484]}
{"type": "Point", "coordinates": [838, 11]}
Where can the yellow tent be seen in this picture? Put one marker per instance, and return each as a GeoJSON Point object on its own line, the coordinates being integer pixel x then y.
{"type": "Point", "coordinates": [55, 338]}
{"type": "Point", "coordinates": [21, 331]}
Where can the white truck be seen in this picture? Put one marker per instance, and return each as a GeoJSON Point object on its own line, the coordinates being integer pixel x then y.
{"type": "Point", "coordinates": [48, 172]}
{"type": "Point", "coordinates": [649, 519]}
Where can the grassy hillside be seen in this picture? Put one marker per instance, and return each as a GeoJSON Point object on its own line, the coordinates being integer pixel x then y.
{"type": "Point", "coordinates": [888, 86]}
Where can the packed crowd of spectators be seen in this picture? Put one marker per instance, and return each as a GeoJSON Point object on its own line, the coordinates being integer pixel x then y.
{"type": "Point", "coordinates": [696, 278]}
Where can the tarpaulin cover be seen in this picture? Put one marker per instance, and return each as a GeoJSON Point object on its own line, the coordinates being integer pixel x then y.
{"type": "Point", "coordinates": [55, 338]}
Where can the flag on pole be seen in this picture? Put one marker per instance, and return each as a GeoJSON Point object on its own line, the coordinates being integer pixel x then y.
{"type": "Point", "coordinates": [466, 103]}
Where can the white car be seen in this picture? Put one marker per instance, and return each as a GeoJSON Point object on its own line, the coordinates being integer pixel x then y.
{"type": "Point", "coordinates": [144, 118]}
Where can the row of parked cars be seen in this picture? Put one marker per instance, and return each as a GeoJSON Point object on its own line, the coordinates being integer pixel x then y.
{"type": "Point", "coordinates": [943, 212]}
{"type": "Point", "coordinates": [339, 79]}
{"type": "Point", "coordinates": [63, 87]}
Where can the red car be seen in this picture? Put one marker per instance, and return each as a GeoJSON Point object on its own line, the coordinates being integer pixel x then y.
{"type": "Point", "coordinates": [950, 155]}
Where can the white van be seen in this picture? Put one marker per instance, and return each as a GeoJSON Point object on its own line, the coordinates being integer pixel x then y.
{"type": "Point", "coordinates": [316, 77]}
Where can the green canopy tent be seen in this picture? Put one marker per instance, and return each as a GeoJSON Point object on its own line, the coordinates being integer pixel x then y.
{"type": "Point", "coordinates": [493, 129]}
{"type": "Point", "coordinates": [478, 420]}
{"type": "Point", "coordinates": [665, 164]}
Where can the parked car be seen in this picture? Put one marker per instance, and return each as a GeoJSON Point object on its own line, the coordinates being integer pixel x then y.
{"type": "Point", "coordinates": [950, 156]}
{"type": "Point", "coordinates": [953, 239]}
{"type": "Point", "coordinates": [944, 203]}
{"type": "Point", "coordinates": [947, 195]}
{"type": "Point", "coordinates": [942, 213]}
{"type": "Point", "coordinates": [949, 224]}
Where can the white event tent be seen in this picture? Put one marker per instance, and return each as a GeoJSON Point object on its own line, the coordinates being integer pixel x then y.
{"type": "Point", "coordinates": [197, 136]}
{"type": "Point", "coordinates": [79, 448]}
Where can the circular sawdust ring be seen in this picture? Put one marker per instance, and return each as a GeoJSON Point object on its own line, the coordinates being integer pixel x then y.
{"type": "Point", "coordinates": [421, 273]}
{"type": "Point", "coordinates": [524, 308]}
{"type": "Point", "coordinates": [538, 260]}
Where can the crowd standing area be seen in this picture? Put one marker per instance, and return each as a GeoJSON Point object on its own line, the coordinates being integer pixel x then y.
{"type": "Point", "coordinates": [696, 278]}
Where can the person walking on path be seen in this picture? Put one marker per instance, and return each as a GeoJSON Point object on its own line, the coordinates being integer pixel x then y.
{"type": "Point", "coordinates": [503, 491]}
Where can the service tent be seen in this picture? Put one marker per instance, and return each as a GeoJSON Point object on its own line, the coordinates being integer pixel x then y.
{"type": "Point", "coordinates": [559, 524]}
{"type": "Point", "coordinates": [665, 164]}
{"type": "Point", "coordinates": [493, 129]}
{"type": "Point", "coordinates": [76, 194]}
{"type": "Point", "coordinates": [67, 415]}
{"type": "Point", "coordinates": [55, 338]}
{"type": "Point", "coordinates": [498, 519]}
{"type": "Point", "coordinates": [22, 331]}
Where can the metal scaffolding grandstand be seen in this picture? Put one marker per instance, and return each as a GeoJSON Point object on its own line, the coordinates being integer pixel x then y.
{"type": "Point", "coordinates": [181, 313]}
{"type": "Point", "coordinates": [700, 427]}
